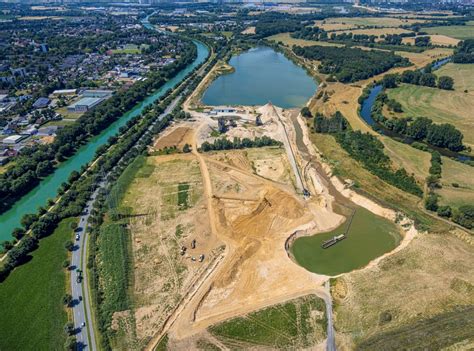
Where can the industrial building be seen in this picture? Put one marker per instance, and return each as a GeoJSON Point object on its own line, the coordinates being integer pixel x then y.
{"type": "Point", "coordinates": [85, 104]}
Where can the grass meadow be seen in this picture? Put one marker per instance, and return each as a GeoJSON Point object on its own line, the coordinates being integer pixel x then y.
{"type": "Point", "coordinates": [32, 315]}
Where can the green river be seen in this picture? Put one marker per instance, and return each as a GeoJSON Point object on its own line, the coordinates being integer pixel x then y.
{"type": "Point", "coordinates": [49, 186]}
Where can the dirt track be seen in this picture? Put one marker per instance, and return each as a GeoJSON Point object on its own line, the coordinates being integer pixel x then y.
{"type": "Point", "coordinates": [254, 216]}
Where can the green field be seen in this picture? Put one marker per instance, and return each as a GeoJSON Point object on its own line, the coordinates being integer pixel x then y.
{"type": "Point", "coordinates": [369, 237]}
{"type": "Point", "coordinates": [442, 106]}
{"type": "Point", "coordinates": [456, 327]}
{"type": "Point", "coordinates": [415, 161]}
{"type": "Point", "coordinates": [32, 315]}
{"type": "Point", "coordinates": [463, 75]}
{"type": "Point", "coordinates": [296, 324]}
{"type": "Point", "coordinates": [289, 41]}
{"type": "Point", "coordinates": [130, 49]}
{"type": "Point", "coordinates": [114, 265]}
{"type": "Point", "coordinates": [460, 174]}
{"type": "Point", "coordinates": [458, 32]}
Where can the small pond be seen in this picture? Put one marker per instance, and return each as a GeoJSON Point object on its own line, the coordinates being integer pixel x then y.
{"type": "Point", "coordinates": [369, 237]}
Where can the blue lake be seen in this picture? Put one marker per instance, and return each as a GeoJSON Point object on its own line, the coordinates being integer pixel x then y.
{"type": "Point", "coordinates": [261, 75]}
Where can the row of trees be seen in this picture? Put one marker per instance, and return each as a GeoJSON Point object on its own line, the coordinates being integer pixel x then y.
{"type": "Point", "coordinates": [38, 161]}
{"type": "Point", "coordinates": [419, 128]}
{"type": "Point", "coordinates": [237, 143]}
{"type": "Point", "coordinates": [351, 64]}
{"type": "Point", "coordinates": [418, 77]}
{"type": "Point", "coordinates": [368, 150]}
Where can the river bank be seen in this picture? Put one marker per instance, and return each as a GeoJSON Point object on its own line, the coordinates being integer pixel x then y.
{"type": "Point", "coordinates": [48, 187]}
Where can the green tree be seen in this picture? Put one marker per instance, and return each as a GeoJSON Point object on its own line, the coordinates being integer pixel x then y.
{"type": "Point", "coordinates": [306, 112]}
{"type": "Point", "coordinates": [445, 82]}
{"type": "Point", "coordinates": [186, 148]}
{"type": "Point", "coordinates": [431, 202]}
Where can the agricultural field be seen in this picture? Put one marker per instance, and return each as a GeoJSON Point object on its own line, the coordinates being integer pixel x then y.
{"type": "Point", "coordinates": [33, 315]}
{"type": "Point", "coordinates": [287, 40]}
{"type": "Point", "coordinates": [463, 75]}
{"type": "Point", "coordinates": [415, 161]}
{"type": "Point", "coordinates": [368, 237]}
{"type": "Point", "coordinates": [461, 175]}
{"type": "Point", "coordinates": [376, 31]}
{"type": "Point", "coordinates": [412, 295]}
{"type": "Point", "coordinates": [296, 324]}
{"type": "Point", "coordinates": [442, 106]}
{"type": "Point", "coordinates": [343, 23]}
{"type": "Point", "coordinates": [436, 39]}
{"type": "Point", "coordinates": [458, 32]}
{"type": "Point", "coordinates": [423, 58]}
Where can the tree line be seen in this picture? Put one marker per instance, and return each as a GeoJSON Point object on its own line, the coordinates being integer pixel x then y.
{"type": "Point", "coordinates": [464, 53]}
{"type": "Point", "coordinates": [348, 65]}
{"type": "Point", "coordinates": [368, 150]}
{"type": "Point", "coordinates": [443, 135]}
{"type": "Point", "coordinates": [238, 143]}
{"type": "Point", "coordinates": [418, 77]}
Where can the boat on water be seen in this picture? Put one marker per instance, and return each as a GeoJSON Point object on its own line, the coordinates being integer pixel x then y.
{"type": "Point", "coordinates": [332, 241]}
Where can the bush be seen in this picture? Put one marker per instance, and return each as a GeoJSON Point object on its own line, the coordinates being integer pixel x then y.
{"type": "Point", "coordinates": [67, 300]}
{"type": "Point", "coordinates": [464, 216]}
{"type": "Point", "coordinates": [444, 211]}
{"type": "Point", "coordinates": [70, 344]}
{"type": "Point", "coordinates": [431, 202]}
{"type": "Point", "coordinates": [69, 245]}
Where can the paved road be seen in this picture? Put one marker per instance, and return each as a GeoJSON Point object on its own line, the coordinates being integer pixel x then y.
{"type": "Point", "coordinates": [81, 304]}
{"type": "Point", "coordinates": [82, 310]}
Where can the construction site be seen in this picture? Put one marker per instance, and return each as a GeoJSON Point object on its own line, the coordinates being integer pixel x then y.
{"type": "Point", "coordinates": [212, 231]}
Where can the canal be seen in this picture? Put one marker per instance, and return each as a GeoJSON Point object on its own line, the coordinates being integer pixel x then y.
{"type": "Point", "coordinates": [48, 187]}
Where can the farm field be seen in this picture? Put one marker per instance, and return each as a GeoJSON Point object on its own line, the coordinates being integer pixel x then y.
{"type": "Point", "coordinates": [436, 39]}
{"type": "Point", "coordinates": [369, 237]}
{"type": "Point", "coordinates": [416, 290]}
{"type": "Point", "coordinates": [376, 31]}
{"type": "Point", "coordinates": [460, 174]}
{"type": "Point", "coordinates": [415, 161]}
{"type": "Point", "coordinates": [343, 23]}
{"type": "Point", "coordinates": [423, 58]}
{"type": "Point", "coordinates": [458, 32]}
{"type": "Point", "coordinates": [297, 324]}
{"type": "Point", "coordinates": [33, 315]}
{"type": "Point", "coordinates": [463, 75]}
{"type": "Point", "coordinates": [287, 40]}
{"type": "Point", "coordinates": [442, 106]}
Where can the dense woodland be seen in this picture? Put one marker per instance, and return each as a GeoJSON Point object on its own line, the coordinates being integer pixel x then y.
{"type": "Point", "coordinates": [464, 52]}
{"type": "Point", "coordinates": [350, 64]}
